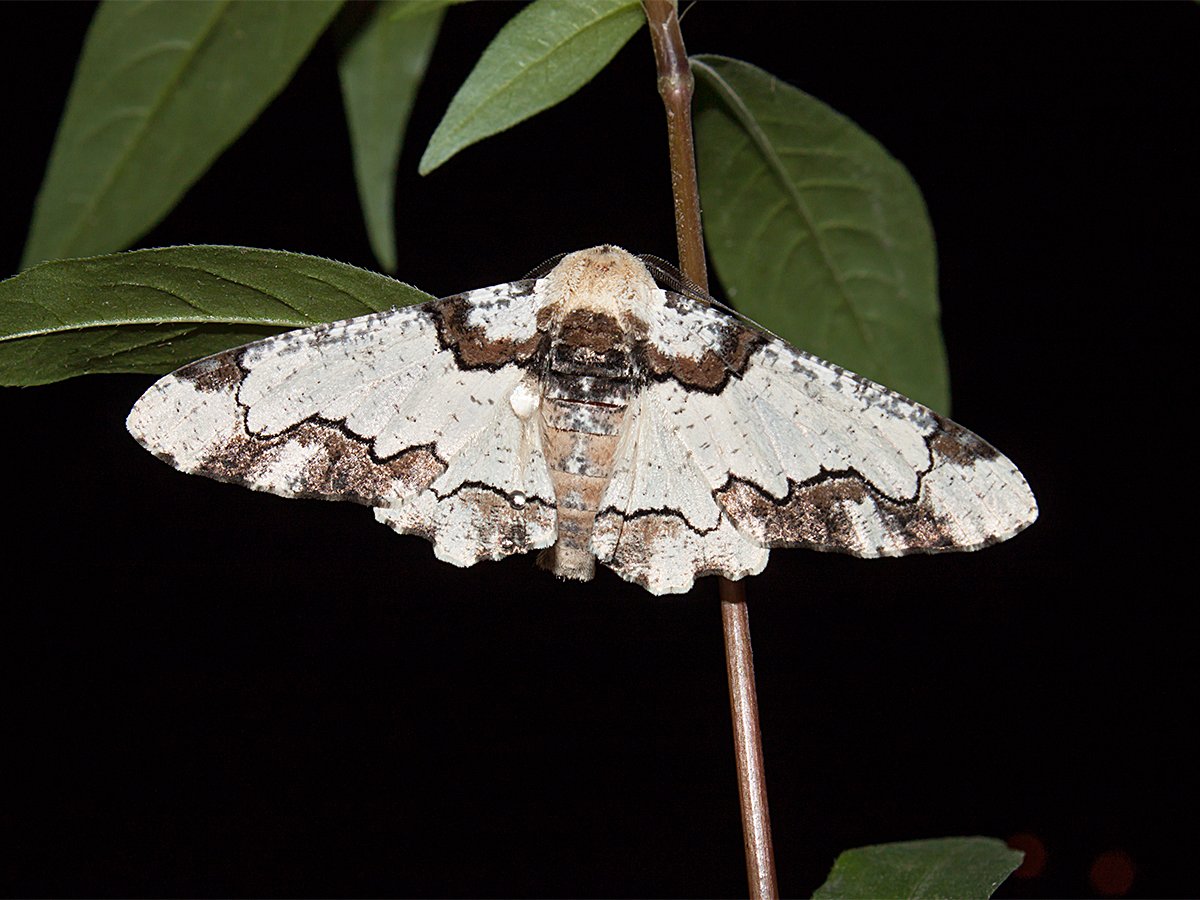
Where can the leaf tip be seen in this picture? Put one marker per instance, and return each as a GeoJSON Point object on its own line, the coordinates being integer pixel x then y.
{"type": "Point", "coordinates": [428, 163]}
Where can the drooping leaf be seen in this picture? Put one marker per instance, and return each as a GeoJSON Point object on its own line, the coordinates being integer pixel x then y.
{"type": "Point", "coordinates": [961, 868]}
{"type": "Point", "coordinates": [161, 90]}
{"type": "Point", "coordinates": [546, 53]}
{"type": "Point", "coordinates": [153, 310]}
{"type": "Point", "coordinates": [382, 64]}
{"type": "Point", "coordinates": [400, 11]}
{"type": "Point", "coordinates": [816, 231]}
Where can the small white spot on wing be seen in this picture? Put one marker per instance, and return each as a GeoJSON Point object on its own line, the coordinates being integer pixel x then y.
{"type": "Point", "coordinates": [524, 399]}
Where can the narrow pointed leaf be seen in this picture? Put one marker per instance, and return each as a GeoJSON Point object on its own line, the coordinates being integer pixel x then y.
{"type": "Point", "coordinates": [816, 231]}
{"type": "Point", "coordinates": [403, 10]}
{"type": "Point", "coordinates": [161, 90]}
{"type": "Point", "coordinates": [963, 868]}
{"type": "Point", "coordinates": [382, 64]}
{"type": "Point", "coordinates": [153, 310]}
{"type": "Point", "coordinates": [546, 53]}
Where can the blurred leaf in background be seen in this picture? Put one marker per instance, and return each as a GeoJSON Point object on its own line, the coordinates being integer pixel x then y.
{"type": "Point", "coordinates": [382, 64]}
{"type": "Point", "coordinates": [161, 90]}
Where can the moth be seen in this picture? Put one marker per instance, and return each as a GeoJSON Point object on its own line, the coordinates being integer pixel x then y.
{"type": "Point", "coordinates": [592, 415]}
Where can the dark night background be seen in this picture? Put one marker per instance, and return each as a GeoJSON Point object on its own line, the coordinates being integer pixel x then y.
{"type": "Point", "coordinates": [211, 691]}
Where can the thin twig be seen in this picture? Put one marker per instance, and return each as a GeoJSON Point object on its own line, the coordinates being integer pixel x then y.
{"type": "Point", "coordinates": [752, 779]}
{"type": "Point", "coordinates": [676, 84]}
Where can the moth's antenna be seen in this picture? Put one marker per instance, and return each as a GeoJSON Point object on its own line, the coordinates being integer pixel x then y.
{"type": "Point", "coordinates": [670, 277]}
{"type": "Point", "coordinates": [544, 268]}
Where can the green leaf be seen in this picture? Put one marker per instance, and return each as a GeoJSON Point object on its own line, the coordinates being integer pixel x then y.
{"type": "Point", "coordinates": [382, 64]}
{"type": "Point", "coordinates": [546, 53]}
{"type": "Point", "coordinates": [816, 231]}
{"type": "Point", "coordinates": [409, 8]}
{"type": "Point", "coordinates": [961, 868]}
{"type": "Point", "coordinates": [161, 90]}
{"type": "Point", "coordinates": [153, 310]}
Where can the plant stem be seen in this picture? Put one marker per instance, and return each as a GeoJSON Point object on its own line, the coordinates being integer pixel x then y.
{"type": "Point", "coordinates": [747, 738]}
{"type": "Point", "coordinates": [676, 85]}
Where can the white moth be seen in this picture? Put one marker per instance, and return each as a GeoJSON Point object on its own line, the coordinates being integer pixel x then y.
{"type": "Point", "coordinates": [592, 415]}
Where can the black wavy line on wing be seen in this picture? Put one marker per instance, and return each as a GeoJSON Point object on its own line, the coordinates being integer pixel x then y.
{"type": "Point", "coordinates": [915, 525]}
{"type": "Point", "coordinates": [222, 464]}
{"type": "Point", "coordinates": [966, 447]}
{"type": "Point", "coordinates": [499, 492]}
{"type": "Point", "coordinates": [661, 511]}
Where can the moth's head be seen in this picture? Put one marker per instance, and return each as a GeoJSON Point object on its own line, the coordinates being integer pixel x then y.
{"type": "Point", "coordinates": [604, 278]}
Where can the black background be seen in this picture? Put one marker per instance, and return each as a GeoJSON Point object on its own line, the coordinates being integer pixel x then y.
{"type": "Point", "coordinates": [211, 691]}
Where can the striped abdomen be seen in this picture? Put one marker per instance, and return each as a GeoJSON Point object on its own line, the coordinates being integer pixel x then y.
{"type": "Point", "coordinates": [584, 400]}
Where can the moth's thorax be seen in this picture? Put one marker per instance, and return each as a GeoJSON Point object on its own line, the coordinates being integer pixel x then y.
{"type": "Point", "coordinates": [603, 279]}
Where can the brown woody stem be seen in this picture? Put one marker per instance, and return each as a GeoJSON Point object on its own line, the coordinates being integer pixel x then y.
{"type": "Point", "coordinates": [676, 84]}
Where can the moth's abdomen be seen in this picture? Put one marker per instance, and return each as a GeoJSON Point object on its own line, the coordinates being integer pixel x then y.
{"type": "Point", "coordinates": [585, 396]}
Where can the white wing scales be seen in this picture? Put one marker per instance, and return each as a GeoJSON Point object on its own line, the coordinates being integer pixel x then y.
{"type": "Point", "coordinates": [659, 523]}
{"type": "Point", "coordinates": [402, 409]}
{"type": "Point", "coordinates": [799, 452]}
{"type": "Point", "coordinates": [463, 513]}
